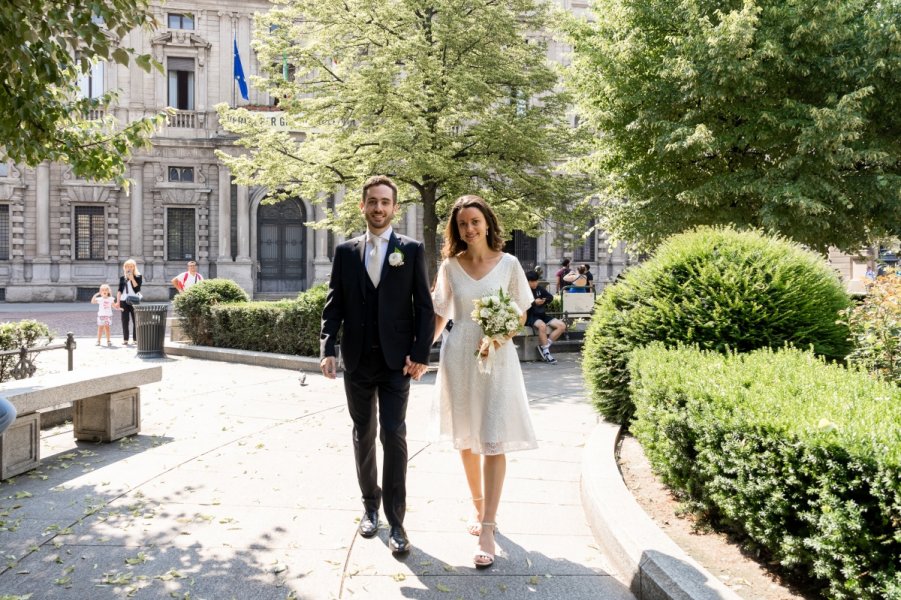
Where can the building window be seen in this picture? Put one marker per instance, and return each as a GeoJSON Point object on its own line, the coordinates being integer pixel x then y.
{"type": "Point", "coordinates": [585, 251]}
{"type": "Point", "coordinates": [524, 248]}
{"type": "Point", "coordinates": [4, 231]}
{"type": "Point", "coordinates": [90, 227]}
{"type": "Point", "coordinates": [181, 21]}
{"type": "Point", "coordinates": [4, 169]}
{"type": "Point", "coordinates": [181, 83]}
{"type": "Point", "coordinates": [91, 84]}
{"type": "Point", "coordinates": [180, 234]}
{"type": "Point", "coordinates": [181, 174]}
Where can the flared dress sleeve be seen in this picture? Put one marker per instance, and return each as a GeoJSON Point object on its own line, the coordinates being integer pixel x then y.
{"type": "Point", "coordinates": [442, 295]}
{"type": "Point", "coordinates": [519, 287]}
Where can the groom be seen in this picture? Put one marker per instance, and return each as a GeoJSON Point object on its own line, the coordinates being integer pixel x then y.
{"type": "Point", "coordinates": [379, 291]}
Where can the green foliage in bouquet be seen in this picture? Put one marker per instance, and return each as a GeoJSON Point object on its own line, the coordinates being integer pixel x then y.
{"type": "Point", "coordinates": [720, 289]}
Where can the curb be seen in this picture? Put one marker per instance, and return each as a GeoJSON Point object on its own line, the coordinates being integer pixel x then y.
{"type": "Point", "coordinates": [247, 357]}
{"type": "Point", "coordinates": [649, 561]}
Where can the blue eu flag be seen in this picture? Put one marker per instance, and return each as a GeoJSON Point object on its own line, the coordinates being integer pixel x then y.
{"type": "Point", "coordinates": [239, 74]}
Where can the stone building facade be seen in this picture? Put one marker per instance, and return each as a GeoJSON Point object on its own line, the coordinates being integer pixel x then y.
{"type": "Point", "coordinates": [61, 237]}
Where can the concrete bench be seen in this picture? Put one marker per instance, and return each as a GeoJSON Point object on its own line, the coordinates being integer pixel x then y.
{"type": "Point", "coordinates": [526, 342]}
{"type": "Point", "coordinates": [107, 406]}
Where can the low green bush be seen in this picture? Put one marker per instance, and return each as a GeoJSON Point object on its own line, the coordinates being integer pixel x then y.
{"type": "Point", "coordinates": [286, 326]}
{"type": "Point", "coordinates": [800, 456]}
{"type": "Point", "coordinates": [718, 288]}
{"type": "Point", "coordinates": [14, 335]}
{"type": "Point", "coordinates": [875, 326]}
{"type": "Point", "coordinates": [194, 306]}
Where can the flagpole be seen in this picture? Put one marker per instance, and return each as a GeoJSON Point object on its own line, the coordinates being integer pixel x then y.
{"type": "Point", "coordinates": [234, 83]}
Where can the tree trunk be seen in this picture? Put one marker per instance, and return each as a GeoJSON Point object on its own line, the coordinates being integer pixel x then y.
{"type": "Point", "coordinates": [427, 195]}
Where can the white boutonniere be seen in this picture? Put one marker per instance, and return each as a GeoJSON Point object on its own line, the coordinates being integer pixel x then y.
{"type": "Point", "coordinates": [396, 258]}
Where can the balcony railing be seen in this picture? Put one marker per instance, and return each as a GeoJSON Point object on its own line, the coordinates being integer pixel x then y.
{"type": "Point", "coordinates": [183, 118]}
{"type": "Point", "coordinates": [95, 114]}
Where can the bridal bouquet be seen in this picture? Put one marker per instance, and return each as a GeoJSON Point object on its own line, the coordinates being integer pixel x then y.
{"type": "Point", "coordinates": [498, 316]}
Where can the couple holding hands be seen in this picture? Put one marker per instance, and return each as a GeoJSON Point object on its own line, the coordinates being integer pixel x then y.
{"type": "Point", "coordinates": [379, 291]}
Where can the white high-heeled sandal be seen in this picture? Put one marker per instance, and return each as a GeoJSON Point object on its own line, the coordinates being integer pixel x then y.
{"type": "Point", "coordinates": [482, 559]}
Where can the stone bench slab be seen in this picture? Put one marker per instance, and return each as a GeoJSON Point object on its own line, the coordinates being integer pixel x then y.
{"type": "Point", "coordinates": [107, 407]}
{"type": "Point", "coordinates": [30, 395]}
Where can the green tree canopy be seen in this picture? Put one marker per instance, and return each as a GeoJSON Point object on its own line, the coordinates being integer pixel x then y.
{"type": "Point", "coordinates": [44, 46]}
{"type": "Point", "coordinates": [446, 96]}
{"type": "Point", "coordinates": [766, 113]}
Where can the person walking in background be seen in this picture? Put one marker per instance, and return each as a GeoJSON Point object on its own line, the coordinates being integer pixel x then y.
{"type": "Point", "coordinates": [536, 317]}
{"type": "Point", "coordinates": [562, 272]}
{"type": "Point", "coordinates": [379, 292]}
{"type": "Point", "coordinates": [484, 415]}
{"type": "Point", "coordinates": [183, 281]}
{"type": "Point", "coordinates": [129, 288]}
{"type": "Point", "coordinates": [104, 301]}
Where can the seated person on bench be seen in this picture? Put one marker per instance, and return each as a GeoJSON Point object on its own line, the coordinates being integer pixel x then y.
{"type": "Point", "coordinates": [536, 317]}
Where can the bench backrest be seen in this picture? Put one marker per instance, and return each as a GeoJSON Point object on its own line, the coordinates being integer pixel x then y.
{"type": "Point", "coordinates": [29, 395]}
{"type": "Point", "coordinates": [578, 303]}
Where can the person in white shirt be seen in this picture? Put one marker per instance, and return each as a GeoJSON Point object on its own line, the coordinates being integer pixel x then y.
{"type": "Point", "coordinates": [105, 302]}
{"type": "Point", "coordinates": [185, 280]}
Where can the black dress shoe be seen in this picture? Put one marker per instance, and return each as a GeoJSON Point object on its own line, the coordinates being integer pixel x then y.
{"type": "Point", "coordinates": [398, 540]}
{"type": "Point", "coordinates": [369, 523]}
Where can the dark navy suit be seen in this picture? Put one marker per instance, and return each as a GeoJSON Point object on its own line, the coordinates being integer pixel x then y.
{"type": "Point", "coordinates": [379, 328]}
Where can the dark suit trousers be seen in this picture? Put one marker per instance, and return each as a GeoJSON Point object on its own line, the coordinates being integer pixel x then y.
{"type": "Point", "coordinates": [370, 383]}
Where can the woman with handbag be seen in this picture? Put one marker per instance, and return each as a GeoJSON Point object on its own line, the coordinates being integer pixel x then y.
{"type": "Point", "coordinates": [129, 294]}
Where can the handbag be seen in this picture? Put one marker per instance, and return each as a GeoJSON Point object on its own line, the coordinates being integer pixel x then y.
{"type": "Point", "coordinates": [133, 299]}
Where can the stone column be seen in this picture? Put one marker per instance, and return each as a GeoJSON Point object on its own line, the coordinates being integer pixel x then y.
{"type": "Point", "coordinates": [243, 223]}
{"type": "Point", "coordinates": [42, 214]}
{"type": "Point", "coordinates": [136, 218]}
{"type": "Point", "coordinates": [241, 269]}
{"type": "Point", "coordinates": [41, 265]}
{"type": "Point", "coordinates": [225, 215]}
{"type": "Point", "coordinates": [412, 224]}
{"type": "Point", "coordinates": [322, 266]}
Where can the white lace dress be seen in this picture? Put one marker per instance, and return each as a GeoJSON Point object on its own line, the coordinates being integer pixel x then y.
{"type": "Point", "coordinates": [488, 414]}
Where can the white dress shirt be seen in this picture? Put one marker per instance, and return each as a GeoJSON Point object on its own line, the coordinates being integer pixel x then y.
{"type": "Point", "coordinates": [384, 237]}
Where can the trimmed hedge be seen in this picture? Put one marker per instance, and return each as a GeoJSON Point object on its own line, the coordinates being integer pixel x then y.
{"type": "Point", "coordinates": [194, 306]}
{"type": "Point", "coordinates": [286, 326]}
{"type": "Point", "coordinates": [802, 457]}
{"type": "Point", "coordinates": [13, 336]}
{"type": "Point", "coordinates": [718, 288]}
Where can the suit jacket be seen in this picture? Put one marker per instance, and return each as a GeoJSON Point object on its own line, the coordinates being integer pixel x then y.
{"type": "Point", "coordinates": [406, 318]}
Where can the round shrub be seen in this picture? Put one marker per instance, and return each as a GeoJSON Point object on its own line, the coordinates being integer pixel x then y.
{"type": "Point", "coordinates": [194, 306]}
{"type": "Point", "coordinates": [717, 288]}
{"type": "Point", "coordinates": [284, 327]}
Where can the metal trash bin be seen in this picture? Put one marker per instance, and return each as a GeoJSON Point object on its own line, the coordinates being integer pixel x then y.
{"type": "Point", "coordinates": [151, 323]}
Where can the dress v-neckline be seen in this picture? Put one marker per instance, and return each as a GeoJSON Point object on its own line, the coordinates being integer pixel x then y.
{"type": "Point", "coordinates": [490, 271]}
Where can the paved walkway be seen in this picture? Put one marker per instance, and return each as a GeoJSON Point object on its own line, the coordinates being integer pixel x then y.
{"type": "Point", "coordinates": [241, 485]}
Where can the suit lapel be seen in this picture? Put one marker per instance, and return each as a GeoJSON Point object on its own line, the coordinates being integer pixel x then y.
{"type": "Point", "coordinates": [359, 249]}
{"type": "Point", "coordinates": [393, 243]}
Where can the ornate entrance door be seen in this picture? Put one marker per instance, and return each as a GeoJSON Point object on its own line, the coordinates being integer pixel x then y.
{"type": "Point", "coordinates": [281, 247]}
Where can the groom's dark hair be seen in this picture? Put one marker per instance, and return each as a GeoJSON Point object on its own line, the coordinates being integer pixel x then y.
{"type": "Point", "coordinates": [379, 180]}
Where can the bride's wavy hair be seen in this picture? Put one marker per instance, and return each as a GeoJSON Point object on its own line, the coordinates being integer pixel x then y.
{"type": "Point", "coordinates": [453, 243]}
